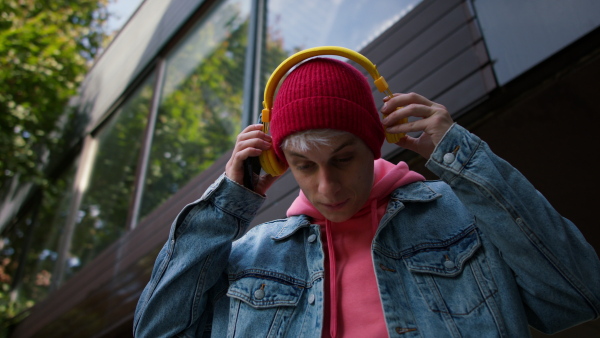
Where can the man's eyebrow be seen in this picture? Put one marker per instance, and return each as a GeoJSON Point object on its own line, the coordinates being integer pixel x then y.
{"type": "Point", "coordinates": [342, 146]}
{"type": "Point", "coordinates": [295, 154]}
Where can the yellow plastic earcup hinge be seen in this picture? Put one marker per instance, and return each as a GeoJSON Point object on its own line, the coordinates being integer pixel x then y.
{"type": "Point", "coordinates": [265, 116]}
{"type": "Point", "coordinates": [381, 84]}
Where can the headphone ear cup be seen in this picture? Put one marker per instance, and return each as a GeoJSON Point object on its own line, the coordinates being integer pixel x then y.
{"type": "Point", "coordinates": [394, 138]}
{"type": "Point", "coordinates": [271, 164]}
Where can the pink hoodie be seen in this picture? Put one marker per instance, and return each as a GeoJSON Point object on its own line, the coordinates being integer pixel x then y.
{"type": "Point", "coordinates": [353, 305]}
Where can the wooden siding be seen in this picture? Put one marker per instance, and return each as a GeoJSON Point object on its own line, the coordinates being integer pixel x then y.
{"type": "Point", "coordinates": [435, 50]}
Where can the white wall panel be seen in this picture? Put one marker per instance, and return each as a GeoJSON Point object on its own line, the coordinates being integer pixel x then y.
{"type": "Point", "coordinates": [521, 33]}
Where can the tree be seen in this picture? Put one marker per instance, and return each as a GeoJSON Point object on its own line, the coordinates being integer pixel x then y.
{"type": "Point", "coordinates": [46, 48]}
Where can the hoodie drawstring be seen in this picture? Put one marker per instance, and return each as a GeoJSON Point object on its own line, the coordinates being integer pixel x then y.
{"type": "Point", "coordinates": [332, 282]}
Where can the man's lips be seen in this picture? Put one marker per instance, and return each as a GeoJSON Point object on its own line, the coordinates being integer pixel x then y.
{"type": "Point", "coordinates": [335, 206]}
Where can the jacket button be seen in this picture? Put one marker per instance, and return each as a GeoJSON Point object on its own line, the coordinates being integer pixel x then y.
{"type": "Point", "coordinates": [259, 294]}
{"type": "Point", "coordinates": [449, 264]}
{"type": "Point", "coordinates": [449, 158]}
{"type": "Point", "coordinates": [312, 238]}
{"type": "Point", "coordinates": [311, 298]}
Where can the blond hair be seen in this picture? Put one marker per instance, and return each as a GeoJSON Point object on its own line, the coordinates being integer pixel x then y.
{"type": "Point", "coordinates": [307, 140]}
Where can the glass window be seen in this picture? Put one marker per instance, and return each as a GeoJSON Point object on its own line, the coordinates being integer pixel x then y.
{"type": "Point", "coordinates": [296, 25]}
{"type": "Point", "coordinates": [13, 262]}
{"type": "Point", "coordinates": [105, 204]}
{"type": "Point", "coordinates": [200, 109]}
{"type": "Point", "coordinates": [28, 250]}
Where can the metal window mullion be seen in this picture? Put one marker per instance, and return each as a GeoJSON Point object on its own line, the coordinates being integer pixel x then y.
{"type": "Point", "coordinates": [251, 99]}
{"type": "Point", "coordinates": [140, 181]}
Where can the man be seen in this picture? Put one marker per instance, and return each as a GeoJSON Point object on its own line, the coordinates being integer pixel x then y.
{"type": "Point", "coordinates": [369, 249]}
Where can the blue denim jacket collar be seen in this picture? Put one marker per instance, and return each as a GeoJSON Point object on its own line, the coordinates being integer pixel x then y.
{"type": "Point", "coordinates": [292, 224]}
{"type": "Point", "coordinates": [415, 192]}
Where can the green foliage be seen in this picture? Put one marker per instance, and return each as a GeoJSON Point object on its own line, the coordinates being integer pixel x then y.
{"type": "Point", "coordinates": [201, 108]}
{"type": "Point", "coordinates": [106, 203]}
{"type": "Point", "coordinates": [28, 252]}
{"type": "Point", "coordinates": [45, 50]}
{"type": "Point", "coordinates": [43, 55]}
{"type": "Point", "coordinates": [9, 308]}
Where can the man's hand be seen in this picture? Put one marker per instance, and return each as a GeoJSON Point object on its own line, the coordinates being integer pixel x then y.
{"type": "Point", "coordinates": [250, 142]}
{"type": "Point", "coordinates": [435, 121]}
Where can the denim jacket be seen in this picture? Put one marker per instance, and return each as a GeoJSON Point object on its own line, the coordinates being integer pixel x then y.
{"type": "Point", "coordinates": [479, 253]}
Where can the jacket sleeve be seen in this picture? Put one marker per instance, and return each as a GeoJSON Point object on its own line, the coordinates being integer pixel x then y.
{"type": "Point", "coordinates": [557, 271]}
{"type": "Point", "coordinates": [191, 267]}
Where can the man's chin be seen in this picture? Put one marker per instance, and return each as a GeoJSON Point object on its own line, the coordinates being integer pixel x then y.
{"type": "Point", "coordinates": [339, 217]}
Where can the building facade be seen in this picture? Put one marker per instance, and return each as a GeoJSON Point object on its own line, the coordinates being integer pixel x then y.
{"type": "Point", "coordinates": [156, 119]}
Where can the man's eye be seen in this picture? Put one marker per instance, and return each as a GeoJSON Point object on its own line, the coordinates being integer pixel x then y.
{"type": "Point", "coordinates": [303, 166]}
{"type": "Point", "coordinates": [344, 160]}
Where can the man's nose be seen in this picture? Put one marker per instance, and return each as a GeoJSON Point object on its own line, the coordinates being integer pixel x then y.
{"type": "Point", "coordinates": [329, 183]}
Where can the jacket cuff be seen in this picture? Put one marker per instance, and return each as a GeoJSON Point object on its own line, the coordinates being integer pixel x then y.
{"type": "Point", "coordinates": [453, 153]}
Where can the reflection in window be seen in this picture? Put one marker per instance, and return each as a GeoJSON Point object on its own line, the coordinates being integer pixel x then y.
{"type": "Point", "coordinates": [348, 23]}
{"type": "Point", "coordinates": [29, 249]}
{"type": "Point", "coordinates": [201, 102]}
{"type": "Point", "coordinates": [13, 257]}
{"type": "Point", "coordinates": [296, 25]}
{"type": "Point", "coordinates": [102, 215]}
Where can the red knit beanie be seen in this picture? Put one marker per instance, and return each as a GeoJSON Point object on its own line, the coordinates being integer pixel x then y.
{"type": "Point", "coordinates": [324, 93]}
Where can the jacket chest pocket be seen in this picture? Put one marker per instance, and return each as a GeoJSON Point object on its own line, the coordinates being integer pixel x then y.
{"type": "Point", "coordinates": [452, 278]}
{"type": "Point", "coordinates": [261, 307]}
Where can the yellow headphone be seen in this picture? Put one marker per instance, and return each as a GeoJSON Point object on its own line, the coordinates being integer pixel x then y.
{"type": "Point", "coordinates": [268, 159]}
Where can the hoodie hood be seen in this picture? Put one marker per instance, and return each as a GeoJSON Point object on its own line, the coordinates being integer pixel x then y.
{"type": "Point", "coordinates": [387, 178]}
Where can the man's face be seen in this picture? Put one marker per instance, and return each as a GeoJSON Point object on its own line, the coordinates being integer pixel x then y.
{"type": "Point", "coordinates": [337, 178]}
